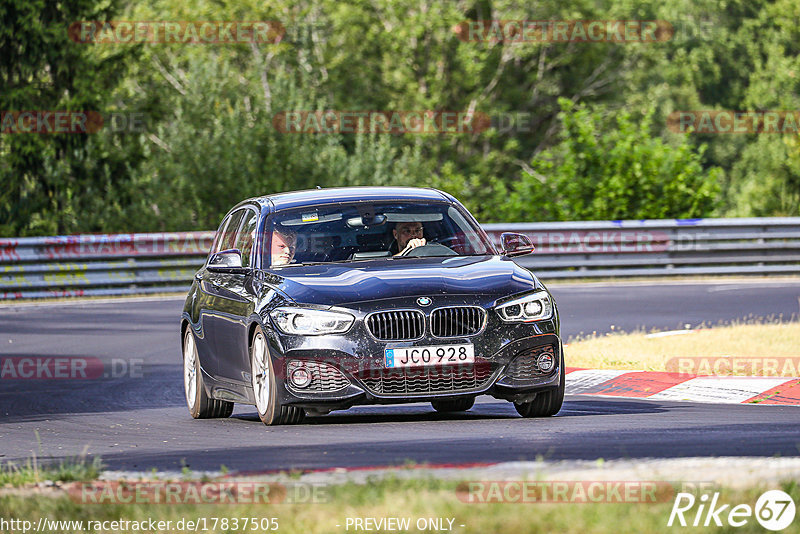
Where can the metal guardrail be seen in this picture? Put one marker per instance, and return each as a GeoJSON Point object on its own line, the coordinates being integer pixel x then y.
{"type": "Point", "coordinates": [106, 264]}
{"type": "Point", "coordinates": [115, 264]}
{"type": "Point", "coordinates": [669, 247]}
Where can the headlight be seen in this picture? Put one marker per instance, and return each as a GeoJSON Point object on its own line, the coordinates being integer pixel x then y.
{"type": "Point", "coordinates": [534, 307]}
{"type": "Point", "coordinates": [304, 321]}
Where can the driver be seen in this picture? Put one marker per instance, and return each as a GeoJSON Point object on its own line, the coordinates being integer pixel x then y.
{"type": "Point", "coordinates": [284, 245]}
{"type": "Point", "coordinates": [408, 235]}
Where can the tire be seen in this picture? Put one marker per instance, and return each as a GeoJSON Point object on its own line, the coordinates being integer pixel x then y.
{"type": "Point", "coordinates": [453, 405]}
{"type": "Point", "coordinates": [265, 390]}
{"type": "Point", "coordinates": [547, 403]}
{"type": "Point", "coordinates": [200, 405]}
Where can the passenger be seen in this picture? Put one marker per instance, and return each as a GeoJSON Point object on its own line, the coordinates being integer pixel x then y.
{"type": "Point", "coordinates": [407, 235]}
{"type": "Point", "coordinates": [284, 245]}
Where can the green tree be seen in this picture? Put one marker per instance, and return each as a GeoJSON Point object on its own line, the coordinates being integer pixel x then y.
{"type": "Point", "coordinates": [56, 183]}
{"type": "Point", "coordinates": [210, 141]}
{"type": "Point", "coordinates": [610, 166]}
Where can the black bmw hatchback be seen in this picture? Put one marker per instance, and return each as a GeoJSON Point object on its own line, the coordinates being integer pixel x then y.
{"type": "Point", "coordinates": [320, 300]}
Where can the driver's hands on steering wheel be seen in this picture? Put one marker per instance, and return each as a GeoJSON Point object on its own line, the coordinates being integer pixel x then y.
{"type": "Point", "coordinates": [412, 243]}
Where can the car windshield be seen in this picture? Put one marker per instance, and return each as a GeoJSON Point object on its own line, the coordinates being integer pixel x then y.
{"type": "Point", "coordinates": [369, 231]}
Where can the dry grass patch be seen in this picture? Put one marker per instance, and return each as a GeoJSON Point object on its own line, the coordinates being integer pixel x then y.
{"type": "Point", "coordinates": [646, 352]}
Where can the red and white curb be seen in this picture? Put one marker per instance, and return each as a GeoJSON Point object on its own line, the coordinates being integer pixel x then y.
{"type": "Point", "coordinates": [656, 385]}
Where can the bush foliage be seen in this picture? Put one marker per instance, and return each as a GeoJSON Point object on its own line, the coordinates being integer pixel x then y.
{"type": "Point", "coordinates": [594, 143]}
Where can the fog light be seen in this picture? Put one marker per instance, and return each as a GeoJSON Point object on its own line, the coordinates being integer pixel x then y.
{"type": "Point", "coordinates": [545, 362]}
{"type": "Point", "coordinates": [301, 377]}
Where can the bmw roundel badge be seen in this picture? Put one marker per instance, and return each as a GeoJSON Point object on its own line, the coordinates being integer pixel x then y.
{"type": "Point", "coordinates": [424, 301]}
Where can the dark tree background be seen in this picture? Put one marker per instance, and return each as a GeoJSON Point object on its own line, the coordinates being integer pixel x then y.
{"type": "Point", "coordinates": [590, 139]}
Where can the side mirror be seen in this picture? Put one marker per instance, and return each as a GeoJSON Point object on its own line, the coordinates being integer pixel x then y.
{"type": "Point", "coordinates": [226, 261]}
{"type": "Point", "coordinates": [515, 244]}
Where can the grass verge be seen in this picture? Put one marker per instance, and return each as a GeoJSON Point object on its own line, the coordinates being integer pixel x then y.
{"type": "Point", "coordinates": [417, 499]}
{"type": "Point", "coordinates": [20, 474]}
{"type": "Point", "coordinates": [641, 351]}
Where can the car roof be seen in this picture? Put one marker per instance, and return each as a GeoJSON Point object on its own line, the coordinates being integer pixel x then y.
{"type": "Point", "coordinates": [315, 197]}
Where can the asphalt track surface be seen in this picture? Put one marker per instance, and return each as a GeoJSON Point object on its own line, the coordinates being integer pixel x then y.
{"type": "Point", "coordinates": [138, 419]}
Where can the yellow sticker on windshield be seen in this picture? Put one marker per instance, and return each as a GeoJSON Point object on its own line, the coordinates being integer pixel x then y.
{"type": "Point", "coordinates": [310, 217]}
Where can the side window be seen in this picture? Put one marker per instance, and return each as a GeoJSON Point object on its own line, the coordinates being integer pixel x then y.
{"type": "Point", "coordinates": [246, 236]}
{"type": "Point", "coordinates": [229, 235]}
{"type": "Point", "coordinates": [219, 238]}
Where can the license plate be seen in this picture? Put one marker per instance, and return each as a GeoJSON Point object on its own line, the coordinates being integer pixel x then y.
{"type": "Point", "coordinates": [425, 356]}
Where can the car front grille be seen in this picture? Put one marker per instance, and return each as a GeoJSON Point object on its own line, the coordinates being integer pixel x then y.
{"type": "Point", "coordinates": [457, 321]}
{"type": "Point", "coordinates": [525, 366]}
{"type": "Point", "coordinates": [396, 325]}
{"type": "Point", "coordinates": [324, 377]}
{"type": "Point", "coordinates": [421, 380]}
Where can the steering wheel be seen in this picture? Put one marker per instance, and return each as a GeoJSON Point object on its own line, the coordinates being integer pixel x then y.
{"type": "Point", "coordinates": [443, 240]}
{"type": "Point", "coordinates": [431, 249]}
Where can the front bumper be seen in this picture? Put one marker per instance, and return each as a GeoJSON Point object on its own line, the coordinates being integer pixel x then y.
{"type": "Point", "coordinates": [359, 358]}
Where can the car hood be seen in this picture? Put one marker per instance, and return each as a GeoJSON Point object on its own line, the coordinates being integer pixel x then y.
{"type": "Point", "coordinates": [337, 284]}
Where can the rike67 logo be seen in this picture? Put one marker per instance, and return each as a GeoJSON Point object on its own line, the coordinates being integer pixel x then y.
{"type": "Point", "coordinates": [774, 510]}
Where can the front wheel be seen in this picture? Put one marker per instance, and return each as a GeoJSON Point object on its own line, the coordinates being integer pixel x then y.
{"type": "Point", "coordinates": [547, 403]}
{"type": "Point", "coordinates": [201, 406]}
{"type": "Point", "coordinates": [265, 391]}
